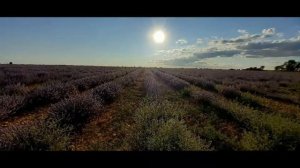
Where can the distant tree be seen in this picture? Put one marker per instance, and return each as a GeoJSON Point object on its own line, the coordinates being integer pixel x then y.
{"type": "Point", "coordinates": [279, 68]}
{"type": "Point", "coordinates": [298, 67]}
{"type": "Point", "coordinates": [10, 63]}
{"type": "Point", "coordinates": [290, 65]}
{"type": "Point", "coordinates": [255, 68]}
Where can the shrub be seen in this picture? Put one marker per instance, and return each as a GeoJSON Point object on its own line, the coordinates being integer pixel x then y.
{"type": "Point", "coordinates": [51, 92]}
{"type": "Point", "coordinates": [252, 101]}
{"type": "Point", "coordinates": [247, 88]}
{"type": "Point", "coordinates": [205, 98]}
{"type": "Point", "coordinates": [151, 85]}
{"type": "Point", "coordinates": [80, 84]}
{"type": "Point", "coordinates": [157, 111]}
{"type": "Point", "coordinates": [230, 92]}
{"type": "Point", "coordinates": [18, 89]}
{"type": "Point", "coordinates": [173, 81]}
{"type": "Point", "coordinates": [10, 105]}
{"type": "Point", "coordinates": [217, 81]}
{"type": "Point", "coordinates": [254, 142]}
{"type": "Point", "coordinates": [107, 92]}
{"type": "Point", "coordinates": [207, 85]}
{"type": "Point", "coordinates": [203, 83]}
{"type": "Point", "coordinates": [186, 92]}
{"type": "Point", "coordinates": [219, 140]}
{"type": "Point", "coordinates": [284, 133]}
{"type": "Point", "coordinates": [75, 111]}
{"type": "Point", "coordinates": [39, 136]}
{"type": "Point", "coordinates": [158, 126]}
{"type": "Point", "coordinates": [173, 135]}
{"type": "Point", "coordinates": [90, 82]}
{"type": "Point", "coordinates": [274, 96]}
{"type": "Point", "coordinates": [128, 79]}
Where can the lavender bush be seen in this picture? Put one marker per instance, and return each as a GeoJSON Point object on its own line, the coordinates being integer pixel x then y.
{"type": "Point", "coordinates": [171, 80]}
{"type": "Point", "coordinates": [18, 89]}
{"type": "Point", "coordinates": [107, 92]}
{"type": "Point", "coordinates": [230, 92]}
{"type": "Point", "coordinates": [75, 111]}
{"type": "Point", "coordinates": [39, 136]}
{"type": "Point", "coordinates": [128, 79]}
{"type": "Point", "coordinates": [10, 105]}
{"type": "Point", "coordinates": [151, 85]}
{"type": "Point", "coordinates": [51, 92]}
{"type": "Point", "coordinates": [89, 82]}
{"type": "Point", "coordinates": [204, 97]}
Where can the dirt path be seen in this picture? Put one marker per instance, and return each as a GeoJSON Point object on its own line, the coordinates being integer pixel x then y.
{"type": "Point", "coordinates": [107, 130]}
{"type": "Point", "coordinates": [165, 89]}
{"type": "Point", "coordinates": [26, 118]}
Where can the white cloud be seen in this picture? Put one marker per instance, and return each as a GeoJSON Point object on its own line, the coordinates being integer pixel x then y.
{"type": "Point", "coordinates": [246, 45]}
{"type": "Point", "coordinates": [279, 34]}
{"type": "Point", "coordinates": [268, 32]}
{"type": "Point", "coordinates": [296, 38]}
{"type": "Point", "coordinates": [199, 41]}
{"type": "Point", "coordinates": [181, 41]}
{"type": "Point", "coordinates": [242, 31]}
{"type": "Point", "coordinates": [214, 37]}
{"type": "Point", "coordinates": [246, 37]}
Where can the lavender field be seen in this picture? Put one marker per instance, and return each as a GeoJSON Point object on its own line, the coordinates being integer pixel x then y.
{"type": "Point", "coordinates": [87, 108]}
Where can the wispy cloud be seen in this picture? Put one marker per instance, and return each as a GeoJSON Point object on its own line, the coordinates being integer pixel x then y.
{"type": "Point", "coordinates": [242, 31]}
{"type": "Point", "coordinates": [181, 42]}
{"type": "Point", "coordinates": [273, 49]}
{"type": "Point", "coordinates": [280, 35]}
{"type": "Point", "coordinates": [246, 37]}
{"type": "Point", "coordinates": [199, 41]}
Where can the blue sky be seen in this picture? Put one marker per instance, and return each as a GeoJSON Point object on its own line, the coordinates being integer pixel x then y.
{"type": "Point", "coordinates": [222, 42]}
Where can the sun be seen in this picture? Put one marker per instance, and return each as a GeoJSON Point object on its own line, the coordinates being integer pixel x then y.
{"type": "Point", "coordinates": [159, 36]}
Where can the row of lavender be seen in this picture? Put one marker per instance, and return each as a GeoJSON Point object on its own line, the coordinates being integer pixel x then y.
{"type": "Point", "coordinates": [258, 130]}
{"type": "Point", "coordinates": [263, 81]}
{"type": "Point", "coordinates": [251, 96]}
{"type": "Point", "coordinates": [76, 110]}
{"type": "Point", "coordinates": [152, 87]}
{"type": "Point", "coordinates": [271, 90]}
{"type": "Point", "coordinates": [158, 123]}
{"type": "Point", "coordinates": [50, 92]}
{"type": "Point", "coordinates": [65, 118]}
{"type": "Point", "coordinates": [155, 89]}
{"type": "Point", "coordinates": [236, 75]}
{"type": "Point", "coordinates": [32, 74]}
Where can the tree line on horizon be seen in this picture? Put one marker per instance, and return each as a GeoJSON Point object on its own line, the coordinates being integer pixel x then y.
{"type": "Point", "coordinates": [290, 66]}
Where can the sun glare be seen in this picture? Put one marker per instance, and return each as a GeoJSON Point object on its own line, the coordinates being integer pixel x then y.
{"type": "Point", "coordinates": [159, 36]}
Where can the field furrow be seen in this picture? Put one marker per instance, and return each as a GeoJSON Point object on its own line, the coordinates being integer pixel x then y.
{"type": "Point", "coordinates": [147, 109]}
